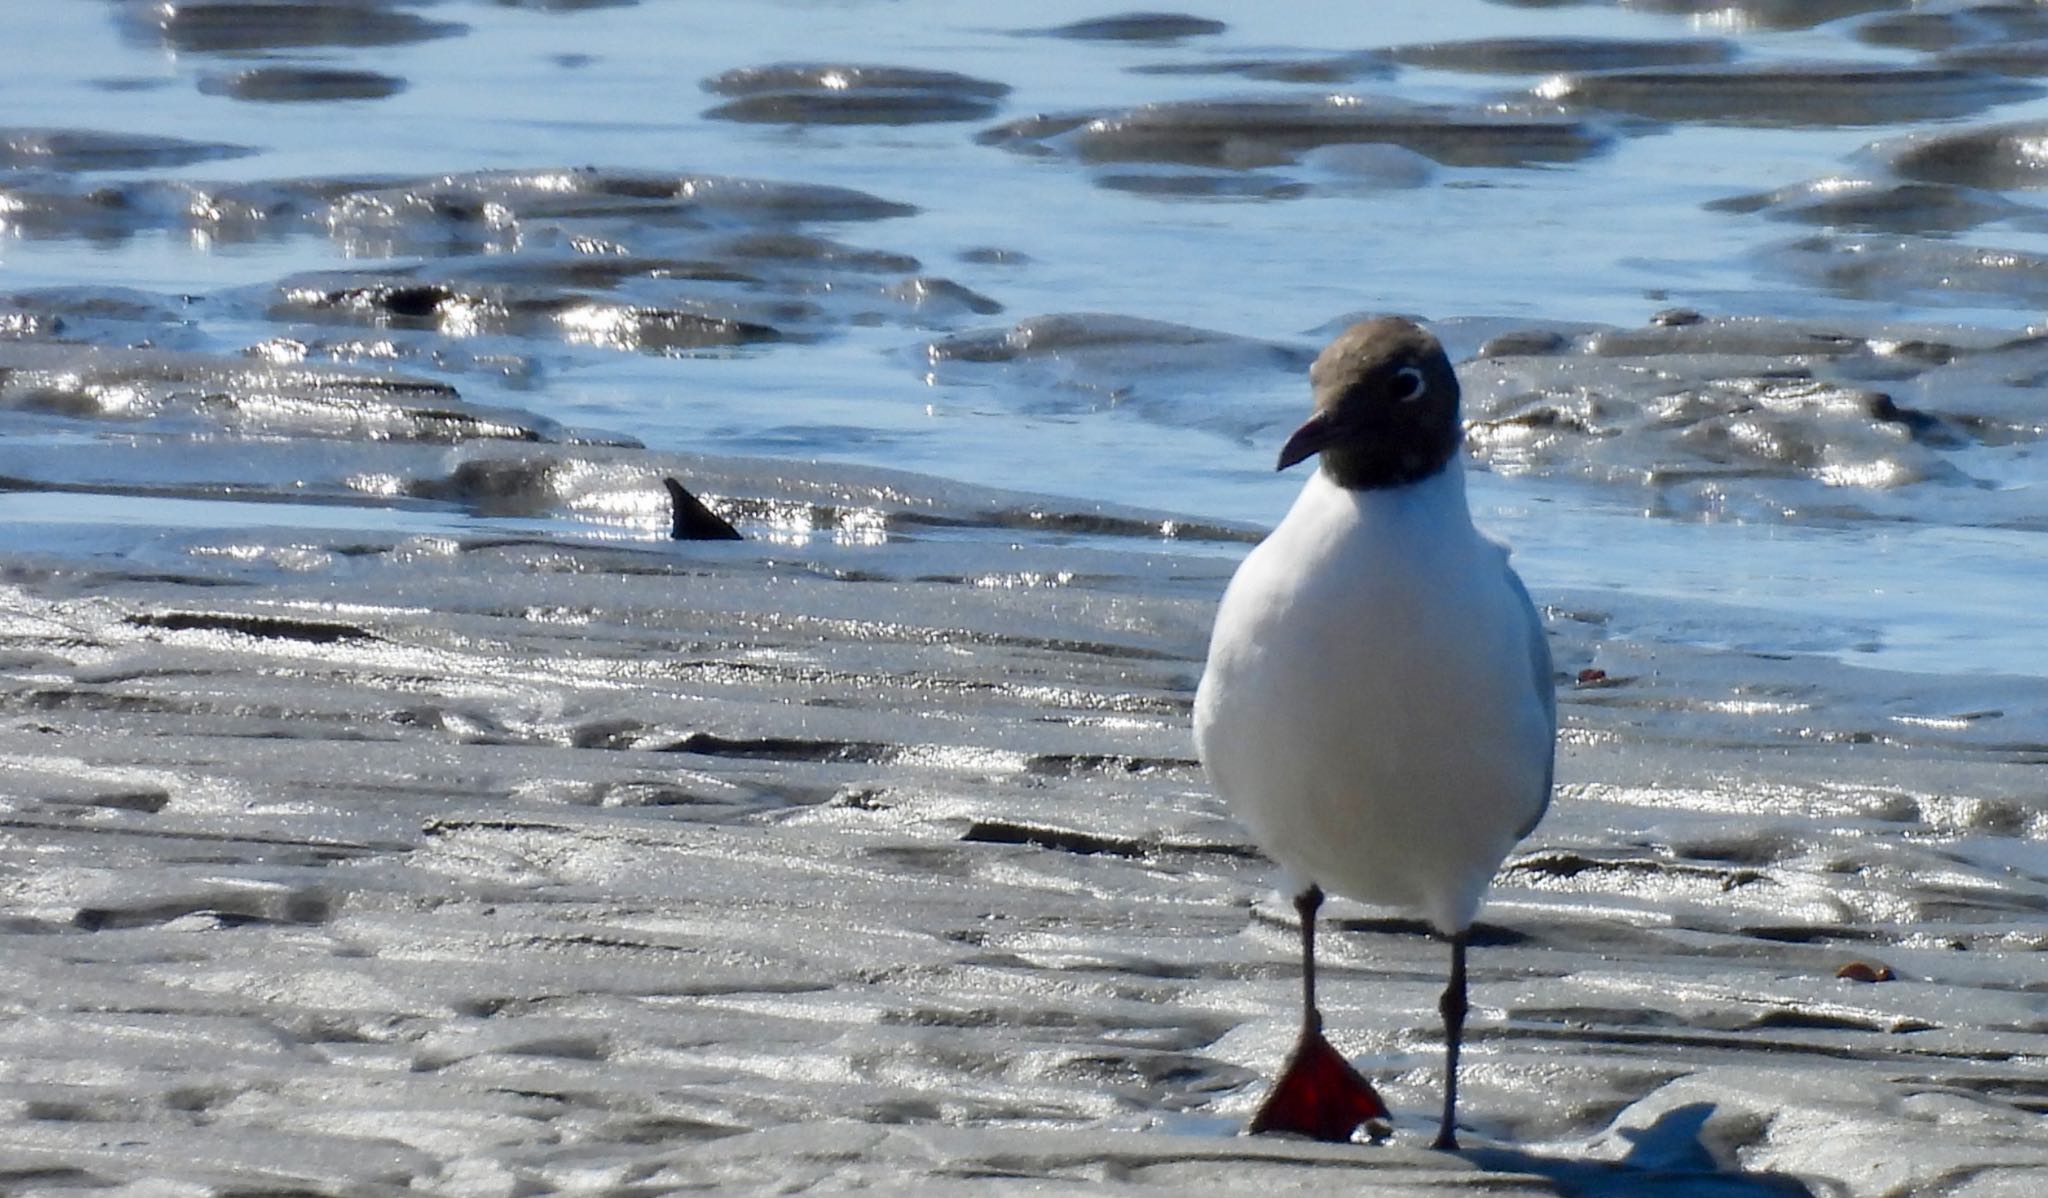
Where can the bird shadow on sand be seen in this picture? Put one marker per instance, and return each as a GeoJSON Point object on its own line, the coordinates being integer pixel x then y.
{"type": "Point", "coordinates": [1665, 1160]}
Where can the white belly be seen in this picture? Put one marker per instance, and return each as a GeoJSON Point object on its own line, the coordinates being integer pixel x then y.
{"type": "Point", "coordinates": [1374, 708]}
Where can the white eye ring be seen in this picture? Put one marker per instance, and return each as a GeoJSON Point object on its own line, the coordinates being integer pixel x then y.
{"type": "Point", "coordinates": [1414, 375]}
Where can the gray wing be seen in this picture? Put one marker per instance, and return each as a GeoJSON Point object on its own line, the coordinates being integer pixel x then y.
{"type": "Point", "coordinates": [1543, 676]}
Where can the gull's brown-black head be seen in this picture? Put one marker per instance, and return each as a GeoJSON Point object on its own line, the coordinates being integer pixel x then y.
{"type": "Point", "coordinates": [1386, 407]}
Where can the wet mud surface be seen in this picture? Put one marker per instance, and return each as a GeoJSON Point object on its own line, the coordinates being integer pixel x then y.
{"type": "Point", "coordinates": [389, 860]}
{"type": "Point", "coordinates": [391, 806]}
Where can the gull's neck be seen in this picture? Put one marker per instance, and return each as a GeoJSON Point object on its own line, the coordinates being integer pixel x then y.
{"type": "Point", "coordinates": [1439, 495]}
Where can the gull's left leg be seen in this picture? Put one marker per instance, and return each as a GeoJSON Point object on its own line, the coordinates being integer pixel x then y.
{"type": "Point", "coordinates": [1452, 1006]}
{"type": "Point", "coordinates": [1319, 1094]}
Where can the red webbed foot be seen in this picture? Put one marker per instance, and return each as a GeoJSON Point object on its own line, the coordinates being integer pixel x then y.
{"type": "Point", "coordinates": [1319, 1095]}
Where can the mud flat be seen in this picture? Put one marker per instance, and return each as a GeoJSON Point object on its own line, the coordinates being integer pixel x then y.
{"type": "Point", "coordinates": [389, 805]}
{"type": "Point", "coordinates": [870, 851]}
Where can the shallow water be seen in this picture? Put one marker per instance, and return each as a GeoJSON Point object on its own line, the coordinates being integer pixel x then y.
{"type": "Point", "coordinates": [343, 347]}
{"type": "Point", "coordinates": [1284, 249]}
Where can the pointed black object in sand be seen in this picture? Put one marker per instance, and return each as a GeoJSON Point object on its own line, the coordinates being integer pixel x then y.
{"type": "Point", "coordinates": [694, 521]}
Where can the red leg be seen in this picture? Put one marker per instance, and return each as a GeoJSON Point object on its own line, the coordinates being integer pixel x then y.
{"type": "Point", "coordinates": [1452, 1006]}
{"type": "Point", "coordinates": [1319, 1094]}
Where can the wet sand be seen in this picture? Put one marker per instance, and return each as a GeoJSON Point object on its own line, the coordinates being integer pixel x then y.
{"type": "Point", "coordinates": [871, 850]}
{"type": "Point", "coordinates": [389, 807]}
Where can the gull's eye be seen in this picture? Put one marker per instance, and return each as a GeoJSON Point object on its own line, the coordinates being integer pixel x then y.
{"type": "Point", "coordinates": [1414, 384]}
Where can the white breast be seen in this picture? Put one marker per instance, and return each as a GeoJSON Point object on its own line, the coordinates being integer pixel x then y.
{"type": "Point", "coordinates": [1378, 705]}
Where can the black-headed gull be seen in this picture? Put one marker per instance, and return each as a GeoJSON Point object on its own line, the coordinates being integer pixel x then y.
{"type": "Point", "coordinates": [1378, 705]}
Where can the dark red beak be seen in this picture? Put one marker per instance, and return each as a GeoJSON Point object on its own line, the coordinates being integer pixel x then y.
{"type": "Point", "coordinates": [1315, 435]}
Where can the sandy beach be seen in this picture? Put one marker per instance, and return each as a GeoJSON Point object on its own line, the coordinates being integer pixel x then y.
{"type": "Point", "coordinates": [872, 852]}
{"type": "Point", "coordinates": [390, 806]}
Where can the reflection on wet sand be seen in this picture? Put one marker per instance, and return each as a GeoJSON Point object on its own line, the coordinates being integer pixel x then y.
{"type": "Point", "coordinates": [397, 798]}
